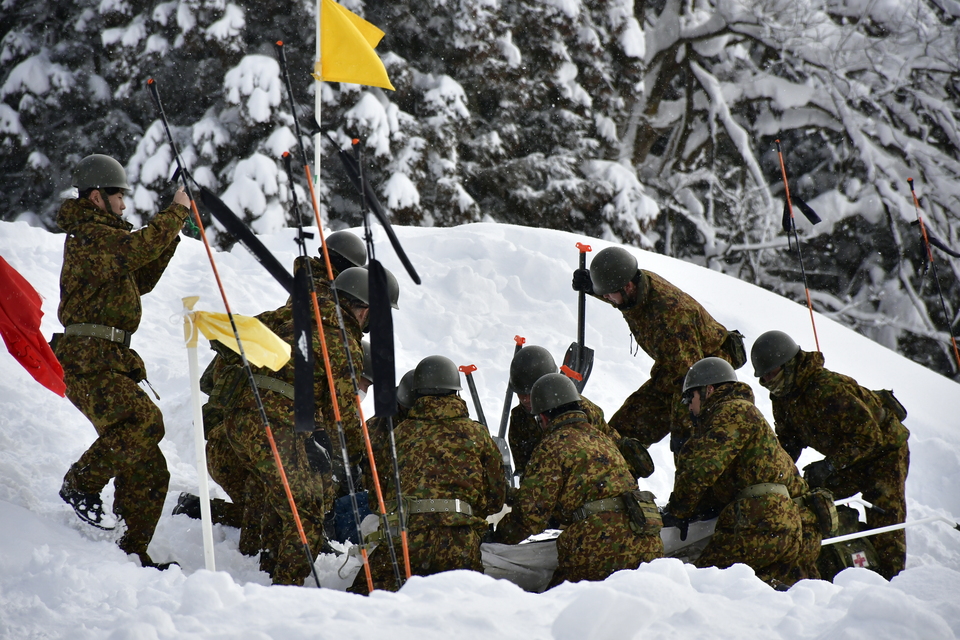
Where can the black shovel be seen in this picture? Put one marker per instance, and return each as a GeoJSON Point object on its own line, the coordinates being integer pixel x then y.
{"type": "Point", "coordinates": [580, 357]}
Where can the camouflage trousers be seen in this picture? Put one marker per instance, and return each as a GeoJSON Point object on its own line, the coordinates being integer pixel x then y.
{"type": "Point", "coordinates": [248, 438]}
{"type": "Point", "coordinates": [242, 485]}
{"type": "Point", "coordinates": [649, 415]}
{"type": "Point", "coordinates": [594, 548]}
{"type": "Point", "coordinates": [763, 532]}
{"type": "Point", "coordinates": [129, 428]}
{"type": "Point", "coordinates": [882, 482]}
{"type": "Point", "coordinates": [434, 548]}
{"type": "Point", "coordinates": [810, 537]}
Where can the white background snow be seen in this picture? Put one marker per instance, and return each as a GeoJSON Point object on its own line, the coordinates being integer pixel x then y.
{"type": "Point", "coordinates": [482, 285]}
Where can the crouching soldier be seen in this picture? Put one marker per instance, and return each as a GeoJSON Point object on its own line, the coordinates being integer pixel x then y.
{"type": "Point", "coordinates": [451, 476]}
{"type": "Point", "coordinates": [858, 430]}
{"type": "Point", "coordinates": [530, 364]}
{"type": "Point", "coordinates": [577, 479]}
{"type": "Point", "coordinates": [733, 456]}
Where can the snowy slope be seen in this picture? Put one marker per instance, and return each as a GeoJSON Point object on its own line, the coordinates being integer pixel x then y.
{"type": "Point", "coordinates": [483, 284]}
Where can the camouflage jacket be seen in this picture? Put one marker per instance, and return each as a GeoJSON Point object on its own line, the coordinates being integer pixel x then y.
{"type": "Point", "coordinates": [732, 448]}
{"type": "Point", "coordinates": [442, 453]}
{"type": "Point", "coordinates": [574, 464]}
{"type": "Point", "coordinates": [281, 322]}
{"type": "Point", "coordinates": [833, 414]}
{"type": "Point", "coordinates": [525, 434]}
{"type": "Point", "coordinates": [674, 330]}
{"type": "Point", "coordinates": [106, 268]}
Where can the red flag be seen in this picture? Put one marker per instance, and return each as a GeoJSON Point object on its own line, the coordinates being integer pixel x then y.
{"type": "Point", "coordinates": [20, 326]}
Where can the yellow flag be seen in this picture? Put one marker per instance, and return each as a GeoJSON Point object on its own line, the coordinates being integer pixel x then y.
{"type": "Point", "coordinates": [346, 49]}
{"type": "Point", "coordinates": [262, 346]}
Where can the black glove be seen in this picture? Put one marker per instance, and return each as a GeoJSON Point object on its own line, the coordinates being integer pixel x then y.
{"type": "Point", "coordinates": [816, 473]}
{"type": "Point", "coordinates": [637, 457]}
{"type": "Point", "coordinates": [318, 455]}
{"type": "Point", "coordinates": [582, 281]}
{"type": "Point", "coordinates": [670, 520]}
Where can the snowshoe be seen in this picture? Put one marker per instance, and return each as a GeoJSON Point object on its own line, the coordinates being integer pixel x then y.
{"type": "Point", "coordinates": [189, 505]}
{"type": "Point", "coordinates": [87, 506]}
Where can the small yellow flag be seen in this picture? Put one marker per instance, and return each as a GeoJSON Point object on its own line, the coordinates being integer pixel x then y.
{"type": "Point", "coordinates": [346, 49]}
{"type": "Point", "coordinates": [262, 347]}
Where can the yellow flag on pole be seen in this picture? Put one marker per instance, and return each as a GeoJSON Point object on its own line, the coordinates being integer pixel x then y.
{"type": "Point", "coordinates": [262, 347]}
{"type": "Point", "coordinates": [346, 49]}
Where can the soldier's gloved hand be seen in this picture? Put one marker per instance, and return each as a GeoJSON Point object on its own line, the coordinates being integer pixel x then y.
{"type": "Point", "coordinates": [670, 520]}
{"type": "Point", "coordinates": [816, 473]}
{"type": "Point", "coordinates": [582, 281]}
{"type": "Point", "coordinates": [318, 455]}
{"type": "Point", "coordinates": [637, 457]}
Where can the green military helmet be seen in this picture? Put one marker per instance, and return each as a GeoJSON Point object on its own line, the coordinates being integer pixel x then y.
{"type": "Point", "coordinates": [551, 391]}
{"type": "Point", "coordinates": [348, 246]}
{"type": "Point", "coordinates": [367, 360]}
{"type": "Point", "coordinates": [393, 288]}
{"type": "Point", "coordinates": [529, 365]}
{"type": "Point", "coordinates": [436, 375]}
{"type": "Point", "coordinates": [355, 283]}
{"type": "Point", "coordinates": [611, 269]}
{"type": "Point", "coordinates": [405, 393]}
{"type": "Point", "coordinates": [98, 171]}
{"type": "Point", "coordinates": [709, 371]}
{"type": "Point", "coordinates": [771, 350]}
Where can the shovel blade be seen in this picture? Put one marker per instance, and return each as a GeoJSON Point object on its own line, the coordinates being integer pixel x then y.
{"type": "Point", "coordinates": [580, 359]}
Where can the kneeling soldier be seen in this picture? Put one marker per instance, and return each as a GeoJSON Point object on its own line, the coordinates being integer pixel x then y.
{"type": "Point", "coordinates": [451, 474]}
{"type": "Point", "coordinates": [576, 478]}
{"type": "Point", "coordinates": [734, 455]}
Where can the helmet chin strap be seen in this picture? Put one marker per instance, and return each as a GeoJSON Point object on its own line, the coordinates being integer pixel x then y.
{"type": "Point", "coordinates": [108, 207]}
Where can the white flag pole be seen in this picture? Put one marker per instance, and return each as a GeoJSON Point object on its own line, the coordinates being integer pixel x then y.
{"type": "Point", "coordinates": [318, 108]}
{"type": "Point", "coordinates": [190, 334]}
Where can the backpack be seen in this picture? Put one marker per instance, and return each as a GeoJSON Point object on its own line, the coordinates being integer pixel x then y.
{"type": "Point", "coordinates": [859, 552]}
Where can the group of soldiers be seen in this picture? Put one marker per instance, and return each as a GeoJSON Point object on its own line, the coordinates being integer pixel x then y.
{"type": "Point", "coordinates": [576, 471]}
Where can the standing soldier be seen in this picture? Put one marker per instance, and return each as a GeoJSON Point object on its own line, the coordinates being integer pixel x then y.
{"type": "Point", "coordinates": [734, 457]}
{"type": "Point", "coordinates": [858, 430]}
{"type": "Point", "coordinates": [670, 327]}
{"type": "Point", "coordinates": [451, 474]}
{"type": "Point", "coordinates": [106, 268]}
{"type": "Point", "coordinates": [529, 365]}
{"type": "Point", "coordinates": [578, 480]}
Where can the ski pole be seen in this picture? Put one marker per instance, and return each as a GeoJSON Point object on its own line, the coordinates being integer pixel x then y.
{"type": "Point", "coordinates": [182, 171]}
{"type": "Point", "coordinates": [793, 227]}
{"type": "Point", "coordinates": [281, 55]}
{"type": "Point", "coordinates": [936, 276]}
{"type": "Point", "coordinates": [467, 371]}
{"type": "Point", "coordinates": [887, 529]}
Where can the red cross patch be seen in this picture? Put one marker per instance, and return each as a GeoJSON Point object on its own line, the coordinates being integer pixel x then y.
{"type": "Point", "coordinates": [860, 560]}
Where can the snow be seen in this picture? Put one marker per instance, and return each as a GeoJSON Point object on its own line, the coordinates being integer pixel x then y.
{"type": "Point", "coordinates": [229, 26]}
{"type": "Point", "coordinates": [483, 284]}
{"type": "Point", "coordinates": [256, 78]}
{"type": "Point", "coordinates": [37, 75]}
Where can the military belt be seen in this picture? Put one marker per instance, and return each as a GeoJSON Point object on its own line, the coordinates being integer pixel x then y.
{"type": "Point", "coordinates": [598, 506]}
{"type": "Point", "coordinates": [272, 384]}
{"type": "Point", "coordinates": [762, 489]}
{"type": "Point", "coordinates": [437, 505]}
{"type": "Point", "coordinates": [99, 331]}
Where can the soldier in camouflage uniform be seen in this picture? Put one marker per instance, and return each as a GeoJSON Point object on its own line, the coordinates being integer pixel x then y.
{"type": "Point", "coordinates": [670, 327]}
{"type": "Point", "coordinates": [576, 479]}
{"type": "Point", "coordinates": [735, 455]}
{"type": "Point", "coordinates": [444, 457]}
{"type": "Point", "coordinates": [313, 492]}
{"type": "Point", "coordinates": [531, 363]}
{"type": "Point", "coordinates": [858, 430]}
{"type": "Point", "coordinates": [106, 268]}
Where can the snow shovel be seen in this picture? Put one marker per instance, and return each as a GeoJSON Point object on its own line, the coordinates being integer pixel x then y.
{"type": "Point", "coordinates": [467, 371]}
{"type": "Point", "coordinates": [580, 357]}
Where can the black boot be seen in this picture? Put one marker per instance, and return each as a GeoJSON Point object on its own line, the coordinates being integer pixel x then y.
{"type": "Point", "coordinates": [146, 561]}
{"type": "Point", "coordinates": [189, 505]}
{"type": "Point", "coordinates": [88, 506]}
